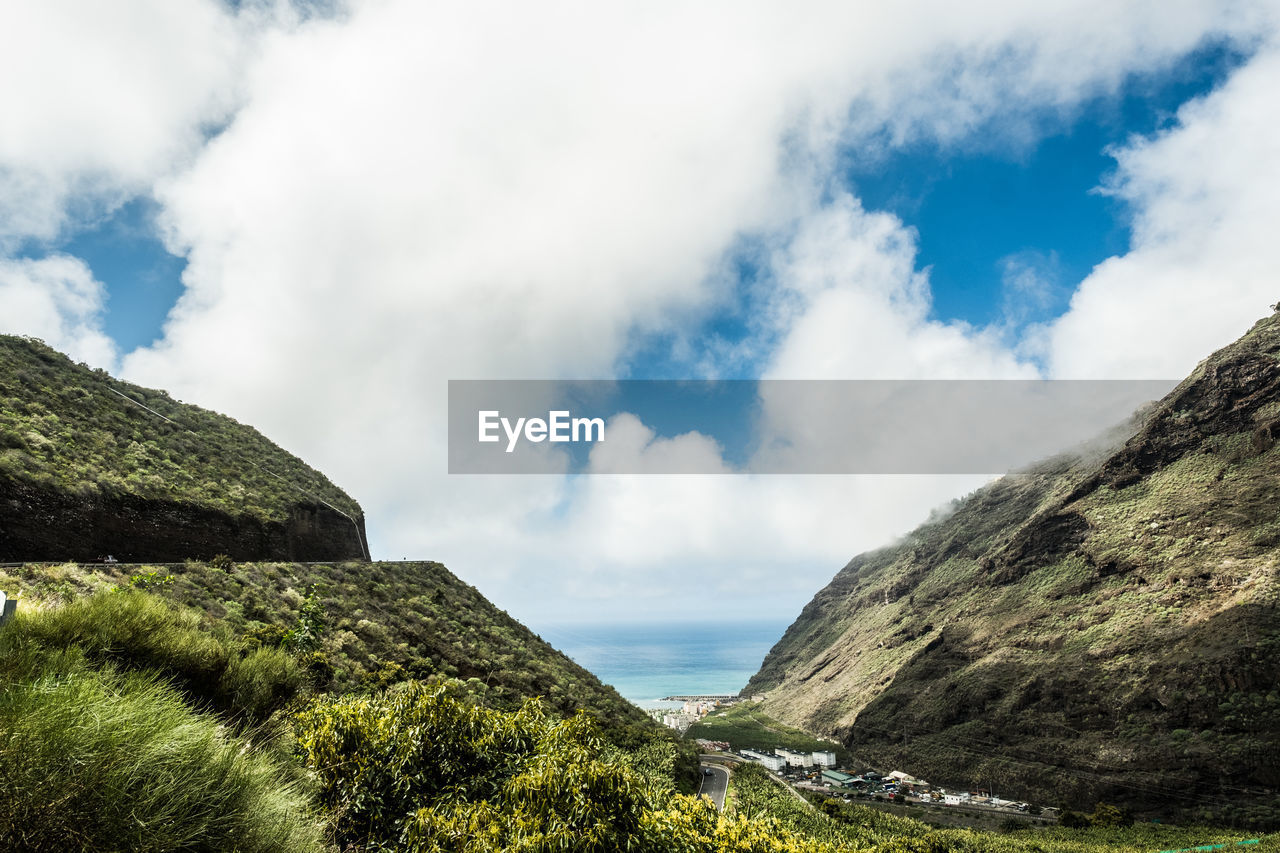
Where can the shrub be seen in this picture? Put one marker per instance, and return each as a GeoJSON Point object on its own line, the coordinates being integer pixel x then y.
{"type": "Point", "coordinates": [422, 767]}
{"type": "Point", "coordinates": [305, 635]}
{"type": "Point", "coordinates": [153, 578]}
{"type": "Point", "coordinates": [1105, 814]}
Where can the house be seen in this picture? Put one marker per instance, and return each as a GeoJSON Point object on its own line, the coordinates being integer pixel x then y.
{"type": "Point", "coordinates": [955, 799]}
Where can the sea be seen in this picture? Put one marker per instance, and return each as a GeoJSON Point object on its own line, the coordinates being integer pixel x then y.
{"type": "Point", "coordinates": [646, 662]}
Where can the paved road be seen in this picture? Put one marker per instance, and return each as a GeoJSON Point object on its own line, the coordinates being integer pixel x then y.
{"type": "Point", "coordinates": [714, 786]}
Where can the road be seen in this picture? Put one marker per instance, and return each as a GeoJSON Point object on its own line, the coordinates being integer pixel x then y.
{"type": "Point", "coordinates": [714, 786]}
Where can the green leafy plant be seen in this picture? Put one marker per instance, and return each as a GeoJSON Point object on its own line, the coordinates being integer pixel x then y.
{"type": "Point", "coordinates": [150, 580]}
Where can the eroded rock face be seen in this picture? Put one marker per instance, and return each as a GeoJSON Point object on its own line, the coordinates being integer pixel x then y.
{"type": "Point", "coordinates": [39, 525]}
{"type": "Point", "coordinates": [1091, 629]}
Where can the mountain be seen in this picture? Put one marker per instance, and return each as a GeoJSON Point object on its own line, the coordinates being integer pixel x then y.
{"type": "Point", "coordinates": [1085, 630]}
{"type": "Point", "coordinates": [368, 625]}
{"type": "Point", "coordinates": [91, 466]}
{"type": "Point", "coordinates": [208, 512]}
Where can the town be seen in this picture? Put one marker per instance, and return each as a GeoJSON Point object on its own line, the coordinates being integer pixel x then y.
{"type": "Point", "coordinates": [819, 772]}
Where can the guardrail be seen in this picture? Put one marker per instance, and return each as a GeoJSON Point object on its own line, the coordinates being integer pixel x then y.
{"type": "Point", "coordinates": [124, 564]}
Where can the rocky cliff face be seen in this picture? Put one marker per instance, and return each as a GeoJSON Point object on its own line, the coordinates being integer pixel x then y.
{"type": "Point", "coordinates": [91, 466]}
{"type": "Point", "coordinates": [1085, 630]}
{"type": "Point", "coordinates": [48, 525]}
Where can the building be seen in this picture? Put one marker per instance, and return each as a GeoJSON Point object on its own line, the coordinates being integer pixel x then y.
{"type": "Point", "coordinates": [906, 779]}
{"type": "Point", "coordinates": [955, 799]}
{"type": "Point", "coordinates": [795, 759]}
{"type": "Point", "coordinates": [824, 759]}
{"type": "Point", "coordinates": [771, 762]}
{"type": "Point", "coordinates": [679, 722]}
{"type": "Point", "coordinates": [836, 779]}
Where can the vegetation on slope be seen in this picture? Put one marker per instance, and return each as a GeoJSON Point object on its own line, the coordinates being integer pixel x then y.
{"type": "Point", "coordinates": [1085, 631]}
{"type": "Point", "coordinates": [843, 826]}
{"type": "Point", "coordinates": [129, 723]}
{"type": "Point", "coordinates": [744, 726]}
{"type": "Point", "coordinates": [65, 426]}
{"type": "Point", "coordinates": [365, 626]}
{"type": "Point", "coordinates": [104, 746]}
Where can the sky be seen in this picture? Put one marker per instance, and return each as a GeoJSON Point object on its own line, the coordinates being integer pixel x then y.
{"type": "Point", "coordinates": [312, 216]}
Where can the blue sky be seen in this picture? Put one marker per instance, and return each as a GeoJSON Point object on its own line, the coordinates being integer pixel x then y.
{"type": "Point", "coordinates": [978, 204]}
{"type": "Point", "coordinates": [143, 280]}
{"type": "Point", "coordinates": [1028, 189]}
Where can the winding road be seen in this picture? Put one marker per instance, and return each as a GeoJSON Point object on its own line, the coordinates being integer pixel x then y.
{"type": "Point", "coordinates": [716, 785]}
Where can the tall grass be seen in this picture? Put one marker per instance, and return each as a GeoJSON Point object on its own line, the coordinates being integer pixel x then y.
{"type": "Point", "coordinates": [134, 630]}
{"type": "Point", "coordinates": [94, 760]}
{"type": "Point", "coordinates": [106, 743]}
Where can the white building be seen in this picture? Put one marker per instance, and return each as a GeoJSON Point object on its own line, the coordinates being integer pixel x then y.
{"type": "Point", "coordinates": [824, 759]}
{"type": "Point", "coordinates": [955, 799]}
{"type": "Point", "coordinates": [772, 762]}
{"type": "Point", "coordinates": [679, 722]}
{"type": "Point", "coordinates": [795, 759]}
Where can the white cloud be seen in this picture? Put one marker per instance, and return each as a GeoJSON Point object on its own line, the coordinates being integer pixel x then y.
{"type": "Point", "coordinates": [100, 99]}
{"type": "Point", "coordinates": [413, 192]}
{"type": "Point", "coordinates": [1202, 267]}
{"type": "Point", "coordinates": [854, 306]}
{"type": "Point", "coordinates": [58, 300]}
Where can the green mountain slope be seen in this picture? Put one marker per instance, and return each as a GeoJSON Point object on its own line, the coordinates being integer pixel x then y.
{"type": "Point", "coordinates": [1086, 630]}
{"type": "Point", "coordinates": [90, 465]}
{"type": "Point", "coordinates": [378, 624]}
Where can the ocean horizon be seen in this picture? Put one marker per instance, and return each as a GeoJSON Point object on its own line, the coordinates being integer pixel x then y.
{"type": "Point", "coordinates": [647, 661]}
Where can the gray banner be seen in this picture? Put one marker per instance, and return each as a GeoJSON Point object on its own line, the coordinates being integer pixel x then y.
{"type": "Point", "coordinates": [784, 426]}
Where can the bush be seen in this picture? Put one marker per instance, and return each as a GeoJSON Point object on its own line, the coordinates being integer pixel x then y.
{"type": "Point", "coordinates": [1105, 814]}
{"type": "Point", "coordinates": [378, 760]}
{"type": "Point", "coordinates": [147, 580]}
{"type": "Point", "coordinates": [422, 767]}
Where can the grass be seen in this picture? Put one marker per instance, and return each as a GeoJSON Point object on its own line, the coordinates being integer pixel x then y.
{"type": "Point", "coordinates": [744, 726]}
{"type": "Point", "coordinates": [64, 426]}
{"type": "Point", "coordinates": [101, 751]}
{"type": "Point", "coordinates": [136, 631]}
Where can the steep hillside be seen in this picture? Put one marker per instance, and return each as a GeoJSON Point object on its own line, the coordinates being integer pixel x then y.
{"type": "Point", "coordinates": [90, 466]}
{"type": "Point", "coordinates": [376, 624]}
{"type": "Point", "coordinates": [1085, 630]}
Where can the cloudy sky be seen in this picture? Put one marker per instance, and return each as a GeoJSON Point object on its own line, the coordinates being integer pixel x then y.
{"type": "Point", "coordinates": [311, 216]}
